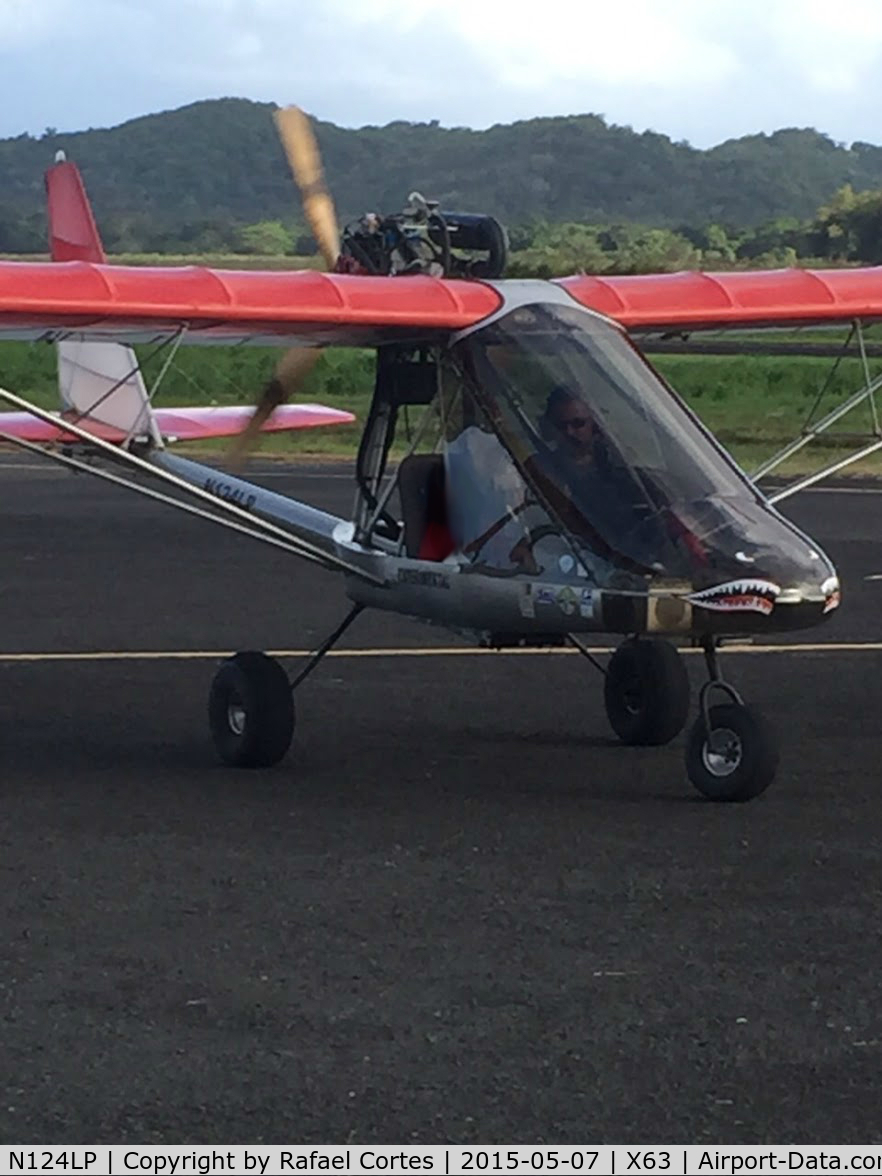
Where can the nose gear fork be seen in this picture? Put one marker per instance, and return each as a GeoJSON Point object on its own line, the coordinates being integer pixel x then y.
{"type": "Point", "coordinates": [715, 681]}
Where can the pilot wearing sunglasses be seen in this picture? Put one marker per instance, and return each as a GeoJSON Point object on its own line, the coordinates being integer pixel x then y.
{"type": "Point", "coordinates": [579, 478]}
{"type": "Point", "coordinates": [573, 425]}
{"type": "Point", "coordinates": [601, 500]}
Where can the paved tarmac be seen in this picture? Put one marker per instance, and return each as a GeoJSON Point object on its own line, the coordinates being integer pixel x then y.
{"type": "Point", "coordinates": [458, 911]}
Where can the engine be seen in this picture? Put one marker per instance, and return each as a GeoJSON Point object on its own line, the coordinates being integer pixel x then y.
{"type": "Point", "coordinates": [421, 239]}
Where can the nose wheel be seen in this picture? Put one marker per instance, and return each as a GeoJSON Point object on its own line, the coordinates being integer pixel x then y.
{"type": "Point", "coordinates": [731, 752]}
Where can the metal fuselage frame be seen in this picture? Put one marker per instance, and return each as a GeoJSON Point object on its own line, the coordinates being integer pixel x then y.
{"type": "Point", "coordinates": [368, 550]}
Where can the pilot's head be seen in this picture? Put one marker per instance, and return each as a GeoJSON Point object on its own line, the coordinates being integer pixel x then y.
{"type": "Point", "coordinates": [571, 422]}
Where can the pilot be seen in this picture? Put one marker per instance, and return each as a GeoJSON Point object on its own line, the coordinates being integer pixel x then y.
{"type": "Point", "coordinates": [592, 474]}
{"type": "Point", "coordinates": [581, 455]}
{"type": "Point", "coordinates": [567, 470]}
{"type": "Point", "coordinates": [580, 478]}
{"type": "Point", "coordinates": [573, 426]}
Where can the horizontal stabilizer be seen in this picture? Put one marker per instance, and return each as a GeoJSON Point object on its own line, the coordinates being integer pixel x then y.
{"type": "Point", "coordinates": [181, 424]}
{"type": "Point", "coordinates": [193, 424]}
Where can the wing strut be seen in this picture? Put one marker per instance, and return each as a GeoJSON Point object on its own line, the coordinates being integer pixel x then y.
{"type": "Point", "coordinates": [257, 527]}
{"type": "Point", "coordinates": [84, 468]}
{"type": "Point", "coordinates": [826, 472]}
{"type": "Point", "coordinates": [810, 433]}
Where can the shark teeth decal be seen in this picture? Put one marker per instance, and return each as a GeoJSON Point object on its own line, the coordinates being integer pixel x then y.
{"type": "Point", "coordinates": [832, 596]}
{"type": "Point", "coordinates": [746, 595]}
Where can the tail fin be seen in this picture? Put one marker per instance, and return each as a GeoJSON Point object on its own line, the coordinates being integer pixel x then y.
{"type": "Point", "coordinates": [98, 382]}
{"type": "Point", "coordinates": [73, 234]}
{"type": "Point", "coordinates": [102, 382]}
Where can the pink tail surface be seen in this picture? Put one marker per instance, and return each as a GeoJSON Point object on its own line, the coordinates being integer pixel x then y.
{"type": "Point", "coordinates": [180, 424]}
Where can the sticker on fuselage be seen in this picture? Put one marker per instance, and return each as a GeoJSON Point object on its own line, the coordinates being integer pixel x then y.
{"type": "Point", "coordinates": [527, 602]}
{"type": "Point", "coordinates": [568, 601]}
{"type": "Point", "coordinates": [423, 579]}
{"type": "Point", "coordinates": [745, 595]}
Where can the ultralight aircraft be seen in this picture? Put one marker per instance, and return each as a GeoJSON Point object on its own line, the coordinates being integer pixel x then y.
{"type": "Point", "coordinates": [554, 486]}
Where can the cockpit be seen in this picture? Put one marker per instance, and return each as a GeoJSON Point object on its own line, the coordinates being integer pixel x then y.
{"type": "Point", "coordinates": [553, 449]}
{"type": "Point", "coordinates": [615, 459]}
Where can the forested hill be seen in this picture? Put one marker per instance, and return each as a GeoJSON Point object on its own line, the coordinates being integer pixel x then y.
{"type": "Point", "coordinates": [220, 160]}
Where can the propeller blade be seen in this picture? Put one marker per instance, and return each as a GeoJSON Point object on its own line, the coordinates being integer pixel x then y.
{"type": "Point", "coordinates": [305, 162]}
{"type": "Point", "coordinates": [294, 366]}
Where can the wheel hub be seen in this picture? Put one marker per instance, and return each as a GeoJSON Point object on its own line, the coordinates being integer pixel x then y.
{"type": "Point", "coordinates": [236, 716]}
{"type": "Point", "coordinates": [632, 696]}
{"type": "Point", "coordinates": [722, 752]}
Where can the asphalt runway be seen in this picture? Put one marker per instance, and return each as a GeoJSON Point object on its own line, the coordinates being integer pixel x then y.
{"type": "Point", "coordinates": [459, 911]}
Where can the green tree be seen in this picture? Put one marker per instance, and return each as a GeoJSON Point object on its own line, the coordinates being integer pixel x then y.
{"type": "Point", "coordinates": [849, 228]}
{"type": "Point", "coordinates": [266, 237]}
{"type": "Point", "coordinates": [635, 249]}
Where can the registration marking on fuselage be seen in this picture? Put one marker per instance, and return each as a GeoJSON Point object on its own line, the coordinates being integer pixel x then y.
{"type": "Point", "coordinates": [413, 651]}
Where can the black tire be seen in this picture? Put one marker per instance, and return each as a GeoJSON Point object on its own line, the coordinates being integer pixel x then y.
{"type": "Point", "coordinates": [251, 711]}
{"type": "Point", "coordinates": [741, 759]}
{"type": "Point", "coordinates": [646, 692]}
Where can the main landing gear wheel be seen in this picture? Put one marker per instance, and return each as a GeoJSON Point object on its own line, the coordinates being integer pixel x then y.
{"type": "Point", "coordinates": [251, 711]}
{"type": "Point", "coordinates": [737, 758]}
{"type": "Point", "coordinates": [646, 692]}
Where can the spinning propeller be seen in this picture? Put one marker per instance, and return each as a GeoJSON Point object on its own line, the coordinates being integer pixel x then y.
{"type": "Point", "coordinates": [306, 164]}
{"type": "Point", "coordinates": [420, 240]}
{"type": "Point", "coordinates": [303, 156]}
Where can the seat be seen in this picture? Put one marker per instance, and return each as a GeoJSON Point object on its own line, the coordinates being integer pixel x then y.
{"type": "Point", "coordinates": [421, 488]}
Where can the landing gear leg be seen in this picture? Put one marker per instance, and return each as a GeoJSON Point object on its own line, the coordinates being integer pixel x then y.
{"type": "Point", "coordinates": [251, 704]}
{"type": "Point", "coordinates": [326, 646]}
{"type": "Point", "coordinates": [731, 753]}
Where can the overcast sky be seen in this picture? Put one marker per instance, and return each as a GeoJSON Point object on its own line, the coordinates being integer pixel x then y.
{"type": "Point", "coordinates": [699, 70]}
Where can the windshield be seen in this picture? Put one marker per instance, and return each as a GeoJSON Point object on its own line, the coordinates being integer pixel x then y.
{"type": "Point", "coordinates": [614, 456]}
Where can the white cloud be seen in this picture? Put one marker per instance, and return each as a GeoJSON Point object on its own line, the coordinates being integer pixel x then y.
{"type": "Point", "coordinates": [24, 23]}
{"type": "Point", "coordinates": [833, 46]}
{"type": "Point", "coordinates": [697, 69]}
{"type": "Point", "coordinates": [637, 43]}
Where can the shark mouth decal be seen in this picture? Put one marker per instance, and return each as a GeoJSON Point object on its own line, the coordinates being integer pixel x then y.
{"type": "Point", "coordinates": [746, 595]}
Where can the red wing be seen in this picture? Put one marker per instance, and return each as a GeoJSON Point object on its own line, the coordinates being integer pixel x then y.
{"type": "Point", "coordinates": [223, 306]}
{"type": "Point", "coordinates": [128, 302]}
{"type": "Point", "coordinates": [753, 298]}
